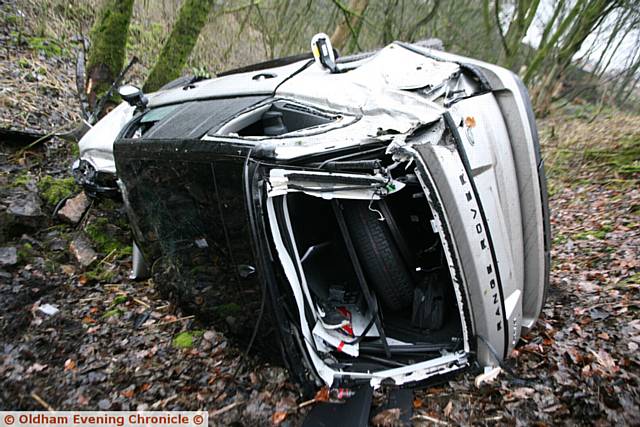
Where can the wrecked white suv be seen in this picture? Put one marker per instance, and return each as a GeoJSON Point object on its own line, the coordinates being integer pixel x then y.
{"type": "Point", "coordinates": [388, 211]}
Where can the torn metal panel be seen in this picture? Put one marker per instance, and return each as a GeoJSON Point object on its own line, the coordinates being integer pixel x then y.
{"type": "Point", "coordinates": [331, 185]}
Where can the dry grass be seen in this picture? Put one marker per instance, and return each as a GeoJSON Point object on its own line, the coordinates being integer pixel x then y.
{"type": "Point", "coordinates": [578, 146]}
{"type": "Point", "coordinates": [37, 58]}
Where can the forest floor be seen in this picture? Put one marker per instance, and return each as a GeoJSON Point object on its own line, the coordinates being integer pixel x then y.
{"type": "Point", "coordinates": [86, 337]}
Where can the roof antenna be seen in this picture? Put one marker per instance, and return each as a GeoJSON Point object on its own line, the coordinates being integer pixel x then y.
{"type": "Point", "coordinates": [323, 52]}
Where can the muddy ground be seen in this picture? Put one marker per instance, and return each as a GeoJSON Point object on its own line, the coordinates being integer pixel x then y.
{"type": "Point", "coordinates": [76, 336]}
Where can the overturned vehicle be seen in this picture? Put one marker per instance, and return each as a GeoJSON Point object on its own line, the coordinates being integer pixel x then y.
{"type": "Point", "coordinates": [387, 211]}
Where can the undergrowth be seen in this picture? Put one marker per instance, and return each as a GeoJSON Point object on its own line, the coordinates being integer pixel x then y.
{"type": "Point", "coordinates": [583, 149]}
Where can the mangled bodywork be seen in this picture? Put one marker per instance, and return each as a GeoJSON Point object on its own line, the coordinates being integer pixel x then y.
{"type": "Point", "coordinates": [393, 214]}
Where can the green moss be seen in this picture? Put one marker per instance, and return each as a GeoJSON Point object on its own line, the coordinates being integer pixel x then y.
{"type": "Point", "coordinates": [53, 190]}
{"type": "Point", "coordinates": [106, 204]}
{"type": "Point", "coordinates": [47, 46]}
{"type": "Point", "coordinates": [21, 180]}
{"type": "Point", "coordinates": [120, 299]}
{"type": "Point", "coordinates": [560, 239]}
{"type": "Point", "coordinates": [24, 63]}
{"type": "Point", "coordinates": [598, 234]}
{"type": "Point", "coordinates": [183, 340]}
{"type": "Point", "coordinates": [12, 20]}
{"type": "Point", "coordinates": [99, 233]}
{"type": "Point", "coordinates": [25, 252]}
{"type": "Point", "coordinates": [624, 159]}
{"type": "Point", "coordinates": [612, 164]}
{"type": "Point", "coordinates": [633, 279]}
{"type": "Point", "coordinates": [75, 150]}
{"type": "Point", "coordinates": [225, 310]}
{"type": "Point", "coordinates": [112, 312]}
{"type": "Point", "coordinates": [101, 274]}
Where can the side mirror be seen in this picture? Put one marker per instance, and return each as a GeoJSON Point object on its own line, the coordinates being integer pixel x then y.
{"type": "Point", "coordinates": [133, 96]}
{"type": "Point", "coordinates": [323, 52]}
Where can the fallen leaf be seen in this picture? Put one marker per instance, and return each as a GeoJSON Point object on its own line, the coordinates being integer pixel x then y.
{"type": "Point", "coordinates": [322, 395]}
{"type": "Point", "coordinates": [68, 269]}
{"type": "Point", "coordinates": [254, 378]}
{"type": "Point", "coordinates": [448, 409]}
{"type": "Point", "coordinates": [388, 417]}
{"type": "Point", "coordinates": [523, 392]}
{"type": "Point", "coordinates": [604, 336]}
{"type": "Point", "coordinates": [487, 377]}
{"type": "Point", "coordinates": [69, 365]}
{"type": "Point", "coordinates": [36, 367]}
{"type": "Point", "coordinates": [417, 403]}
{"type": "Point", "coordinates": [578, 330]}
{"type": "Point", "coordinates": [278, 417]}
{"type": "Point", "coordinates": [575, 355]}
{"type": "Point", "coordinates": [605, 360]}
{"type": "Point", "coordinates": [553, 408]}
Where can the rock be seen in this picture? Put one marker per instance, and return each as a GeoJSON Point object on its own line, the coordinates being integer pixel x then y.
{"type": "Point", "coordinates": [57, 245]}
{"type": "Point", "coordinates": [74, 208]}
{"type": "Point", "coordinates": [48, 309]}
{"type": "Point", "coordinates": [8, 256]}
{"type": "Point", "coordinates": [82, 250]}
{"type": "Point", "coordinates": [26, 209]}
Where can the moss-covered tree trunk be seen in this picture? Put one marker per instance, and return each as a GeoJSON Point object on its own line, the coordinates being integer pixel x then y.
{"type": "Point", "coordinates": [184, 35]}
{"type": "Point", "coordinates": [108, 45]}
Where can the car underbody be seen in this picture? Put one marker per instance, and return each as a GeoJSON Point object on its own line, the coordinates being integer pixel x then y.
{"type": "Point", "coordinates": [391, 217]}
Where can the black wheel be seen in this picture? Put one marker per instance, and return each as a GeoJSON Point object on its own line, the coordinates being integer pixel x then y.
{"type": "Point", "coordinates": [381, 261]}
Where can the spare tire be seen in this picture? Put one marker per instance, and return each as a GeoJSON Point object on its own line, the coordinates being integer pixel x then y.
{"type": "Point", "coordinates": [380, 258]}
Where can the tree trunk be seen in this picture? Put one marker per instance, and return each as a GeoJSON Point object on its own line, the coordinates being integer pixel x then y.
{"type": "Point", "coordinates": [108, 45]}
{"type": "Point", "coordinates": [184, 35]}
{"type": "Point", "coordinates": [520, 23]}
{"type": "Point", "coordinates": [410, 36]}
{"type": "Point", "coordinates": [346, 27]}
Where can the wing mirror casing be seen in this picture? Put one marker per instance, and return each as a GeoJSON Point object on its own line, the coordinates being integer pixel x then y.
{"type": "Point", "coordinates": [323, 52]}
{"type": "Point", "coordinates": [133, 96]}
